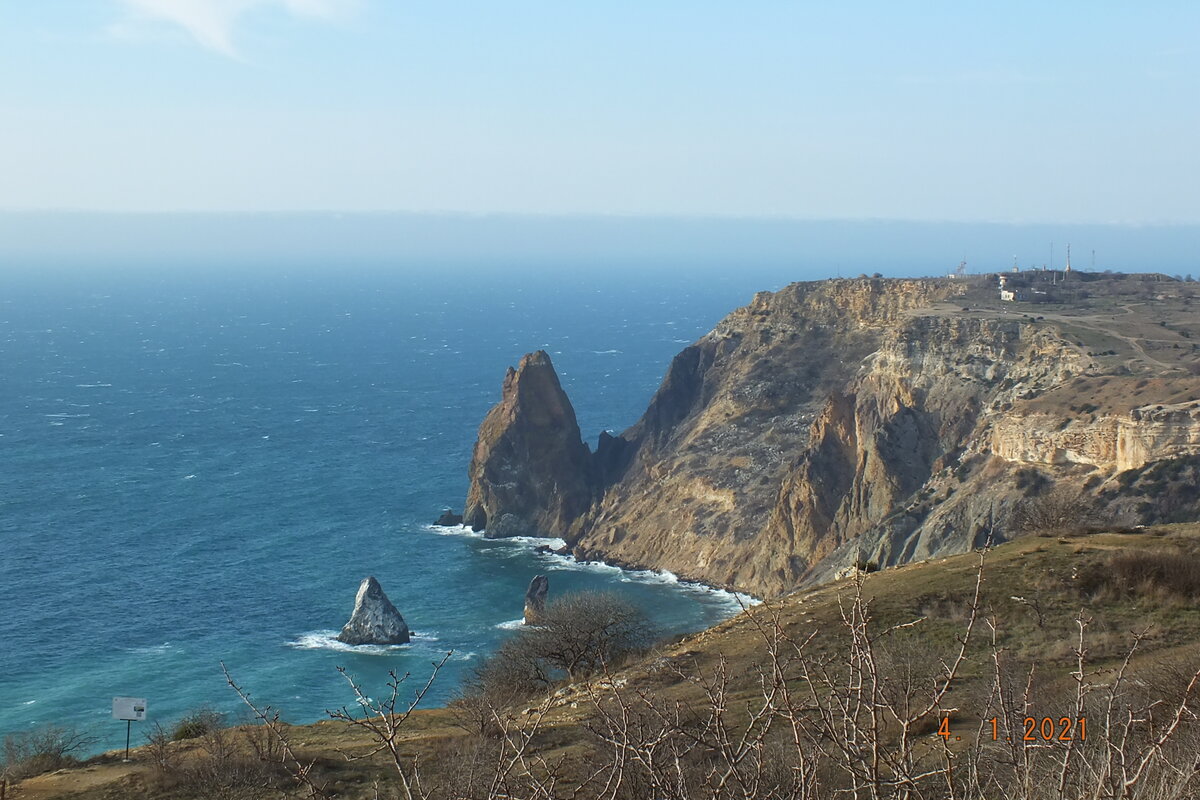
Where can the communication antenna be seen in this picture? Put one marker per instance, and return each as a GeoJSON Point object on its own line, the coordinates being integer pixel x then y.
{"type": "Point", "coordinates": [961, 269]}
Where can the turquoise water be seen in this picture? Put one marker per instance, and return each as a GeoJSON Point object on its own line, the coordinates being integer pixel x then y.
{"type": "Point", "coordinates": [201, 469]}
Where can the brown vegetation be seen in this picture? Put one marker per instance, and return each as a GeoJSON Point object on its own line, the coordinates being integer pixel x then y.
{"type": "Point", "coordinates": [844, 691]}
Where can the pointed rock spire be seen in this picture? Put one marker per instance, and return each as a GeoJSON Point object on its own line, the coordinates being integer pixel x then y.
{"type": "Point", "coordinates": [531, 474]}
{"type": "Point", "coordinates": [535, 598]}
{"type": "Point", "coordinates": [375, 620]}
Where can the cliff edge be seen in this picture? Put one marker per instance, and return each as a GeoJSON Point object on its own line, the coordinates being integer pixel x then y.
{"type": "Point", "coordinates": [840, 422]}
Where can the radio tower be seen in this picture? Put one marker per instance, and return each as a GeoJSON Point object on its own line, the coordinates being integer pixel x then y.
{"type": "Point", "coordinates": [1068, 269]}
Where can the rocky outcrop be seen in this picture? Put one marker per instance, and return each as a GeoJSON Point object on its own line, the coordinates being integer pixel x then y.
{"type": "Point", "coordinates": [449, 519]}
{"type": "Point", "coordinates": [535, 598]}
{"type": "Point", "coordinates": [1108, 441]}
{"type": "Point", "coordinates": [374, 620]}
{"type": "Point", "coordinates": [836, 422]}
{"type": "Point", "coordinates": [531, 473]}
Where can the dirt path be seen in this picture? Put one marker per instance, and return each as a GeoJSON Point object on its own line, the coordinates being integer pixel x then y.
{"type": "Point", "coordinates": [74, 781]}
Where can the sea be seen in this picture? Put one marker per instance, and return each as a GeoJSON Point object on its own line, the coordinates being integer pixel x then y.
{"type": "Point", "coordinates": [198, 467]}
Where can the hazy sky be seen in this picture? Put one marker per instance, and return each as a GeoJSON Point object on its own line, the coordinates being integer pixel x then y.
{"type": "Point", "coordinates": [1015, 111]}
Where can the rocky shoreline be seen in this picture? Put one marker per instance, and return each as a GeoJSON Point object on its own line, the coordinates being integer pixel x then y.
{"type": "Point", "coordinates": [841, 422]}
{"type": "Point", "coordinates": [582, 559]}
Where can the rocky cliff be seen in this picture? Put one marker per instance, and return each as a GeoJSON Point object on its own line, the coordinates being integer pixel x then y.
{"type": "Point", "coordinates": [837, 422]}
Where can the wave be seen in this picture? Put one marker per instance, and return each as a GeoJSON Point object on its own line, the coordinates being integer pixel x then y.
{"type": "Point", "coordinates": [512, 624]}
{"type": "Point", "coordinates": [423, 642]}
{"type": "Point", "coordinates": [455, 530]}
{"type": "Point", "coordinates": [92, 385]}
{"type": "Point", "coordinates": [734, 601]}
{"type": "Point", "coordinates": [522, 541]}
{"type": "Point", "coordinates": [327, 640]}
{"type": "Point", "coordinates": [606, 352]}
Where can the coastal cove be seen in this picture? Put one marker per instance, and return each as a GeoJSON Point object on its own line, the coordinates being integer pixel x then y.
{"type": "Point", "coordinates": [202, 470]}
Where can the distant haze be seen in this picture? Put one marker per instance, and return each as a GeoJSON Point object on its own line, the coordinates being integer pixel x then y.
{"type": "Point", "coordinates": [508, 244]}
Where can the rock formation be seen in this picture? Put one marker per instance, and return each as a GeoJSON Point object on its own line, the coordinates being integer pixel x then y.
{"type": "Point", "coordinates": [531, 474]}
{"type": "Point", "coordinates": [375, 620]}
{"type": "Point", "coordinates": [846, 420]}
{"type": "Point", "coordinates": [449, 519]}
{"type": "Point", "coordinates": [535, 598]}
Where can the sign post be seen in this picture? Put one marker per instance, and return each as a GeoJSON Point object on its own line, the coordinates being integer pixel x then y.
{"type": "Point", "coordinates": [130, 709]}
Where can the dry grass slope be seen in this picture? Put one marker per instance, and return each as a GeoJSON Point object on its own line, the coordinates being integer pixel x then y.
{"type": "Point", "coordinates": [880, 686]}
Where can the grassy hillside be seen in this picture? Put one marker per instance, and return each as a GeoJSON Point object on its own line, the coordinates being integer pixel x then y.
{"type": "Point", "coordinates": [849, 683]}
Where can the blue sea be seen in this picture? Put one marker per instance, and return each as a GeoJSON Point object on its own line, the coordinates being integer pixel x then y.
{"type": "Point", "coordinates": [200, 467]}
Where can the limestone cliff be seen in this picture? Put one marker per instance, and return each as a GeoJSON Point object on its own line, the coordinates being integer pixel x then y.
{"type": "Point", "coordinates": [849, 420]}
{"type": "Point", "coordinates": [530, 472]}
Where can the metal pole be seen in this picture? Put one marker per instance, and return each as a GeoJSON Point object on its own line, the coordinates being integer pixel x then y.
{"type": "Point", "coordinates": [128, 725]}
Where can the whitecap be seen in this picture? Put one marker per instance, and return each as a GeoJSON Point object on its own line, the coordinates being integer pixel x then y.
{"type": "Point", "coordinates": [92, 385]}
{"type": "Point", "coordinates": [512, 624]}
{"type": "Point", "coordinates": [606, 352]}
{"type": "Point", "coordinates": [736, 601]}
{"type": "Point", "coordinates": [454, 530]}
{"type": "Point", "coordinates": [536, 541]}
{"type": "Point", "coordinates": [188, 477]}
{"type": "Point", "coordinates": [327, 640]}
{"type": "Point", "coordinates": [29, 702]}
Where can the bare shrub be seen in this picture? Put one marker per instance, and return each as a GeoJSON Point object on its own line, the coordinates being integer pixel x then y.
{"type": "Point", "coordinates": [1162, 574]}
{"type": "Point", "coordinates": [578, 636]}
{"type": "Point", "coordinates": [198, 722]}
{"type": "Point", "coordinates": [1062, 510]}
{"type": "Point", "coordinates": [48, 747]}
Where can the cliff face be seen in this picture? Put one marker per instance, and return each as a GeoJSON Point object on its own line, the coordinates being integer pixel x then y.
{"type": "Point", "coordinates": [841, 421]}
{"type": "Point", "coordinates": [1108, 441]}
{"type": "Point", "coordinates": [530, 472]}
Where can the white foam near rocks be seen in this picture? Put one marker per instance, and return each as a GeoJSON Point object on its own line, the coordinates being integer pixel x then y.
{"type": "Point", "coordinates": [735, 601]}
{"type": "Point", "coordinates": [512, 624]}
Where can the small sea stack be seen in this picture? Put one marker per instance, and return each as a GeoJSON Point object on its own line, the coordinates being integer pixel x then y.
{"type": "Point", "coordinates": [375, 620]}
{"type": "Point", "coordinates": [449, 519]}
{"type": "Point", "coordinates": [535, 598]}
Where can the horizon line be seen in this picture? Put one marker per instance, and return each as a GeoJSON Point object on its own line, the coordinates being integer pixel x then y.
{"type": "Point", "coordinates": [581, 215]}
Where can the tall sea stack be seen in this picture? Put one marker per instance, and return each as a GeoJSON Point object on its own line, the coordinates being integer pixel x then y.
{"type": "Point", "coordinates": [531, 473]}
{"type": "Point", "coordinates": [535, 599]}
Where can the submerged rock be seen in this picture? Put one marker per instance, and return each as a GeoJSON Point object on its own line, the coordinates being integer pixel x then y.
{"type": "Point", "coordinates": [535, 598]}
{"type": "Point", "coordinates": [449, 519]}
{"type": "Point", "coordinates": [375, 620]}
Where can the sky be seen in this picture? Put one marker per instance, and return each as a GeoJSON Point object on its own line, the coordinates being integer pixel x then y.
{"type": "Point", "coordinates": [1021, 112]}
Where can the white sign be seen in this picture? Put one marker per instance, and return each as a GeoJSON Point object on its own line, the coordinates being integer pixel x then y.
{"type": "Point", "coordinates": [131, 708]}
